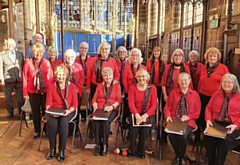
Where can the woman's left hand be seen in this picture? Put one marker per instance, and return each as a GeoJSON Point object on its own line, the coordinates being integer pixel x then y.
{"type": "Point", "coordinates": [231, 128]}
{"type": "Point", "coordinates": [67, 112]}
{"type": "Point", "coordinates": [108, 108]}
{"type": "Point", "coordinates": [184, 118]}
{"type": "Point", "coordinates": [144, 117]}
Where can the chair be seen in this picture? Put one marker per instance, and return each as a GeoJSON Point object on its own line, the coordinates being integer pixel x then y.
{"type": "Point", "coordinates": [84, 102]}
{"type": "Point", "coordinates": [44, 122]}
{"type": "Point", "coordinates": [26, 108]}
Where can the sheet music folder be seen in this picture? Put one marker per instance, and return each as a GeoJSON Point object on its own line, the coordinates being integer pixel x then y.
{"type": "Point", "coordinates": [176, 126]}
{"type": "Point", "coordinates": [100, 114]}
{"type": "Point", "coordinates": [55, 111]}
{"type": "Point", "coordinates": [217, 130]}
{"type": "Point", "coordinates": [146, 124]}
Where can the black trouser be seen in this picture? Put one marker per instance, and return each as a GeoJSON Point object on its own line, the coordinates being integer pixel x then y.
{"type": "Point", "coordinates": [218, 148]}
{"type": "Point", "coordinates": [58, 125]}
{"type": "Point", "coordinates": [8, 89]}
{"type": "Point", "coordinates": [37, 103]}
{"type": "Point", "coordinates": [142, 134]}
{"type": "Point", "coordinates": [126, 112]}
{"type": "Point", "coordinates": [179, 142]}
{"type": "Point", "coordinates": [101, 128]}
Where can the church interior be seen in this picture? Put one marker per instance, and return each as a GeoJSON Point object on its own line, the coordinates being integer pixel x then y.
{"type": "Point", "coordinates": [144, 24]}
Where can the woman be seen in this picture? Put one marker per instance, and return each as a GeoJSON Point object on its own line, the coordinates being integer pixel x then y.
{"type": "Point", "coordinates": [61, 94]}
{"type": "Point", "coordinates": [135, 59]}
{"type": "Point", "coordinates": [108, 97]}
{"type": "Point", "coordinates": [76, 74]}
{"type": "Point", "coordinates": [224, 107]}
{"type": "Point", "coordinates": [37, 77]}
{"type": "Point", "coordinates": [142, 104]}
{"type": "Point", "coordinates": [184, 103]}
{"type": "Point", "coordinates": [54, 61]}
{"type": "Point", "coordinates": [210, 79]}
{"type": "Point", "coordinates": [195, 68]}
{"type": "Point", "coordinates": [121, 62]}
{"type": "Point", "coordinates": [172, 71]}
{"type": "Point", "coordinates": [155, 67]}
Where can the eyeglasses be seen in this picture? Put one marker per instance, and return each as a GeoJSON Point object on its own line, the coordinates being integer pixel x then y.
{"type": "Point", "coordinates": [104, 48]}
{"type": "Point", "coordinates": [70, 57]}
{"type": "Point", "coordinates": [227, 82]}
{"type": "Point", "coordinates": [84, 48]}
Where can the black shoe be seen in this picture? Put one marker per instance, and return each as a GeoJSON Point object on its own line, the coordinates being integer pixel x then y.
{"type": "Point", "coordinates": [104, 150]}
{"type": "Point", "coordinates": [130, 154]}
{"type": "Point", "coordinates": [51, 154]}
{"type": "Point", "coordinates": [142, 156]}
{"type": "Point", "coordinates": [19, 111]}
{"type": "Point", "coordinates": [91, 134]}
{"type": "Point", "coordinates": [10, 115]}
{"type": "Point", "coordinates": [182, 162]}
{"type": "Point", "coordinates": [176, 161]}
{"type": "Point", "coordinates": [61, 156]}
{"type": "Point", "coordinates": [97, 150]}
{"type": "Point", "coordinates": [36, 135]}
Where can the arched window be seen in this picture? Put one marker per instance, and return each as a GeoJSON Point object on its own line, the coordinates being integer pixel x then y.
{"type": "Point", "coordinates": [162, 15]}
{"type": "Point", "coordinates": [188, 10]}
{"type": "Point", "coordinates": [198, 12]}
{"type": "Point", "coordinates": [176, 11]}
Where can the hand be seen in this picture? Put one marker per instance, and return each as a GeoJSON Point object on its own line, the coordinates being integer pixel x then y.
{"type": "Point", "coordinates": [209, 123]}
{"type": "Point", "coordinates": [2, 83]}
{"type": "Point", "coordinates": [169, 119]}
{"type": "Point", "coordinates": [184, 118]}
{"type": "Point", "coordinates": [144, 117]}
{"type": "Point", "coordinates": [115, 81]}
{"type": "Point", "coordinates": [88, 91]}
{"type": "Point", "coordinates": [138, 119]}
{"type": "Point", "coordinates": [165, 97]}
{"type": "Point", "coordinates": [231, 128]}
{"type": "Point", "coordinates": [67, 112]}
{"type": "Point", "coordinates": [26, 97]}
{"type": "Point", "coordinates": [108, 108]}
{"type": "Point", "coordinates": [55, 115]}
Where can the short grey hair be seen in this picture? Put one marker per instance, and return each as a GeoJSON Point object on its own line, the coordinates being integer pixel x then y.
{"type": "Point", "coordinates": [121, 49]}
{"type": "Point", "coordinates": [52, 49]}
{"type": "Point", "coordinates": [138, 52]}
{"type": "Point", "coordinates": [101, 45]}
{"type": "Point", "coordinates": [70, 52]}
{"type": "Point", "coordinates": [144, 71]}
{"type": "Point", "coordinates": [236, 88]}
{"type": "Point", "coordinates": [107, 70]}
{"type": "Point", "coordinates": [177, 52]}
{"type": "Point", "coordinates": [194, 52]}
{"type": "Point", "coordinates": [11, 41]}
{"type": "Point", "coordinates": [84, 44]}
{"type": "Point", "coordinates": [183, 74]}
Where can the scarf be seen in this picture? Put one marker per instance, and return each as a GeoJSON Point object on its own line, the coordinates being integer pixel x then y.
{"type": "Point", "coordinates": [53, 64]}
{"type": "Point", "coordinates": [211, 69]}
{"type": "Point", "coordinates": [182, 108]}
{"type": "Point", "coordinates": [61, 95]}
{"type": "Point", "coordinates": [223, 116]}
{"type": "Point", "coordinates": [145, 99]}
{"type": "Point", "coordinates": [71, 76]}
{"type": "Point", "coordinates": [39, 83]}
{"type": "Point", "coordinates": [83, 64]}
{"type": "Point", "coordinates": [193, 69]}
{"type": "Point", "coordinates": [134, 81]}
{"type": "Point", "coordinates": [107, 93]}
{"type": "Point", "coordinates": [170, 74]}
{"type": "Point", "coordinates": [161, 70]}
{"type": "Point", "coordinates": [123, 62]}
{"type": "Point", "coordinates": [98, 68]}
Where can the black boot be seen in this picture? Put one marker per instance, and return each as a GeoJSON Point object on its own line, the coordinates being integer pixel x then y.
{"type": "Point", "coordinates": [97, 150]}
{"type": "Point", "coordinates": [51, 154]}
{"type": "Point", "coordinates": [61, 156]}
{"type": "Point", "coordinates": [104, 150]}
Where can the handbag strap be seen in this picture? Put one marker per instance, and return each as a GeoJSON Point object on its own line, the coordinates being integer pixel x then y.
{"type": "Point", "coordinates": [146, 97]}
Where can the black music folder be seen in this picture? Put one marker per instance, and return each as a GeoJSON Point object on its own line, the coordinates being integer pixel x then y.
{"type": "Point", "coordinates": [56, 111]}
{"type": "Point", "coordinates": [100, 114]}
{"type": "Point", "coordinates": [145, 124]}
{"type": "Point", "coordinates": [176, 126]}
{"type": "Point", "coordinates": [217, 130]}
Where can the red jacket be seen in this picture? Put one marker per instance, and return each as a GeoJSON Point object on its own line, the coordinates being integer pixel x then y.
{"type": "Point", "coordinates": [209, 85]}
{"type": "Point", "coordinates": [88, 62]}
{"type": "Point", "coordinates": [54, 64]}
{"type": "Point", "coordinates": [115, 96]}
{"type": "Point", "coordinates": [128, 76]}
{"type": "Point", "coordinates": [54, 99]}
{"type": "Point", "coordinates": [193, 103]}
{"type": "Point", "coordinates": [79, 76]}
{"type": "Point", "coordinates": [136, 97]}
{"type": "Point", "coordinates": [119, 64]}
{"type": "Point", "coordinates": [156, 66]}
{"type": "Point", "coordinates": [91, 75]}
{"type": "Point", "coordinates": [29, 73]}
{"type": "Point", "coordinates": [196, 75]}
{"type": "Point", "coordinates": [175, 75]}
{"type": "Point", "coordinates": [214, 107]}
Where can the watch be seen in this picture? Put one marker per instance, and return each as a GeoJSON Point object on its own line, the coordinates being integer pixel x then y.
{"type": "Point", "coordinates": [113, 106]}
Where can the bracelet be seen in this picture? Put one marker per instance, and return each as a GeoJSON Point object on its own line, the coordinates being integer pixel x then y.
{"type": "Point", "coordinates": [113, 106]}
